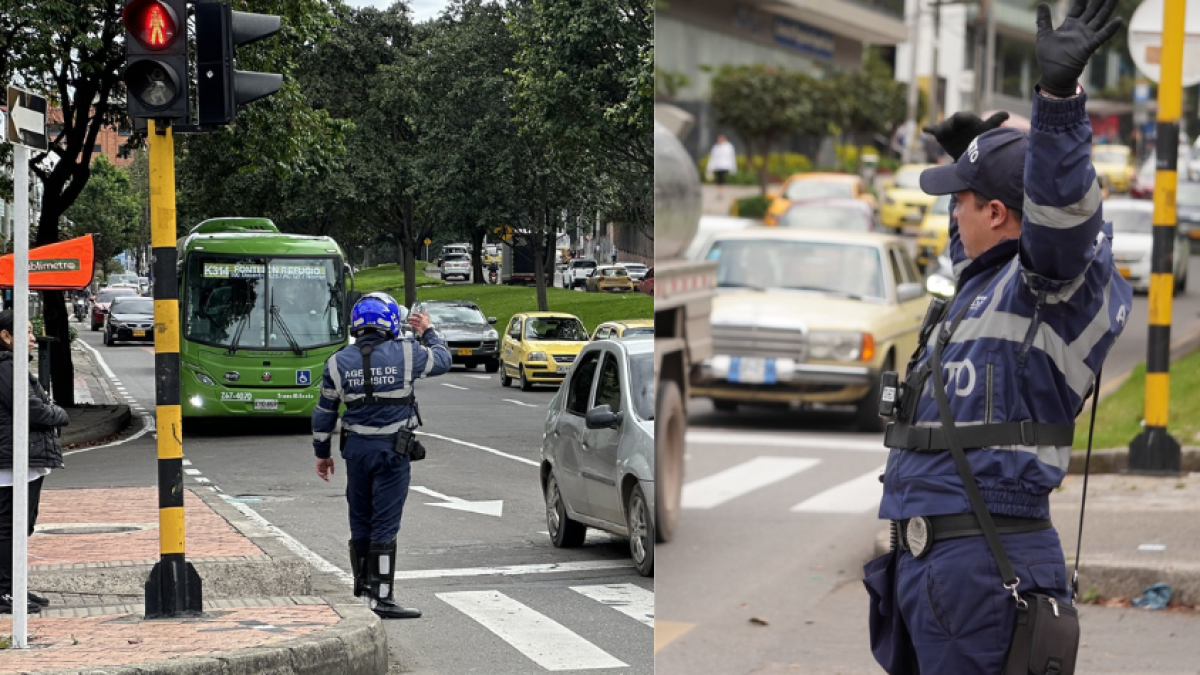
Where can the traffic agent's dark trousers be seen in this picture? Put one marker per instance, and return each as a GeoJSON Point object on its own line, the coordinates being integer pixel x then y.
{"type": "Point", "coordinates": [6, 529]}
{"type": "Point", "coordinates": [376, 486]}
{"type": "Point", "coordinates": [954, 608]}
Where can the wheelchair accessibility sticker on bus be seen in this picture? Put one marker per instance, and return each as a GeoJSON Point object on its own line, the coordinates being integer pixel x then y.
{"type": "Point", "coordinates": [304, 377]}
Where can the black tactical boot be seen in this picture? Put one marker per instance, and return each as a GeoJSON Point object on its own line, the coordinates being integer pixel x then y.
{"type": "Point", "coordinates": [6, 605]}
{"type": "Point", "coordinates": [381, 573]}
{"type": "Point", "coordinates": [359, 549]}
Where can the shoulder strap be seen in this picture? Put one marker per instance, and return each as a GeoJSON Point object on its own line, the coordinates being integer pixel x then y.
{"type": "Point", "coordinates": [368, 387]}
{"type": "Point", "coordinates": [1087, 465]}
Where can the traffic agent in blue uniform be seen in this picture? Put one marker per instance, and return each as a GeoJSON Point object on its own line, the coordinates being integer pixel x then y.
{"type": "Point", "coordinates": [375, 379]}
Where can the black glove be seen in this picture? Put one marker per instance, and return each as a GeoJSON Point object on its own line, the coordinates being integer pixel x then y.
{"type": "Point", "coordinates": [957, 132]}
{"type": "Point", "coordinates": [1062, 53]}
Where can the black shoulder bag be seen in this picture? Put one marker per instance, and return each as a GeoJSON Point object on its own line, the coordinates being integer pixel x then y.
{"type": "Point", "coordinates": [1046, 635]}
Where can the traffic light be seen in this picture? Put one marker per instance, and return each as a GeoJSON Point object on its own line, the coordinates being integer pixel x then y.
{"type": "Point", "coordinates": [156, 64]}
{"type": "Point", "coordinates": [219, 88]}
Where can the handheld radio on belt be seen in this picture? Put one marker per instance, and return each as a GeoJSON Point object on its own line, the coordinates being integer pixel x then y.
{"type": "Point", "coordinates": [406, 443]}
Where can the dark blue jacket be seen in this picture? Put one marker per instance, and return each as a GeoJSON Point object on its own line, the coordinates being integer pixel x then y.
{"type": "Point", "coordinates": [396, 365]}
{"type": "Point", "coordinates": [1045, 311]}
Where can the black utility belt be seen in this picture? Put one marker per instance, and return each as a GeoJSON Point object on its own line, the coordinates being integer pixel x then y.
{"type": "Point", "coordinates": [404, 443]}
{"type": "Point", "coordinates": [1028, 432]}
{"type": "Point", "coordinates": [917, 535]}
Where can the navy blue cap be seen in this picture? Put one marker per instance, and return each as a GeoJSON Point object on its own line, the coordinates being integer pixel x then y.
{"type": "Point", "coordinates": [993, 166]}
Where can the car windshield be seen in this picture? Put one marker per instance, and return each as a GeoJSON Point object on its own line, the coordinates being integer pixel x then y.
{"type": "Point", "coordinates": [123, 279]}
{"type": "Point", "coordinates": [909, 179]}
{"type": "Point", "coordinates": [555, 328]}
{"type": "Point", "coordinates": [641, 379]}
{"type": "Point", "coordinates": [614, 272]}
{"type": "Point", "coordinates": [1109, 157]}
{"type": "Point", "coordinates": [107, 296]}
{"type": "Point", "coordinates": [799, 190]}
{"type": "Point", "coordinates": [265, 303]}
{"type": "Point", "coordinates": [458, 257]}
{"type": "Point", "coordinates": [942, 206]}
{"type": "Point", "coordinates": [635, 267]}
{"type": "Point", "coordinates": [630, 332]}
{"type": "Point", "coordinates": [583, 263]}
{"type": "Point", "coordinates": [829, 267]}
{"type": "Point", "coordinates": [128, 305]}
{"type": "Point", "coordinates": [1187, 194]}
{"type": "Point", "coordinates": [1130, 220]}
{"type": "Point", "coordinates": [827, 217]}
{"type": "Point", "coordinates": [456, 314]}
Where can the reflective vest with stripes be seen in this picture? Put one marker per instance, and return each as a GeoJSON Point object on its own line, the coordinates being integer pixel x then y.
{"type": "Point", "coordinates": [1044, 313]}
{"type": "Point", "coordinates": [395, 366]}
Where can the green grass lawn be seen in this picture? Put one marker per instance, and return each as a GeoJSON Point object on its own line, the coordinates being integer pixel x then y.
{"type": "Point", "coordinates": [504, 301]}
{"type": "Point", "coordinates": [1120, 415]}
{"type": "Point", "coordinates": [390, 277]}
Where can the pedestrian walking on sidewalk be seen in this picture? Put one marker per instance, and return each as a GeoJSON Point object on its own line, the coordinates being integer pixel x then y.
{"type": "Point", "coordinates": [45, 453]}
{"type": "Point", "coordinates": [722, 161]}
{"type": "Point", "coordinates": [1002, 372]}
{"type": "Point", "coordinates": [376, 378]}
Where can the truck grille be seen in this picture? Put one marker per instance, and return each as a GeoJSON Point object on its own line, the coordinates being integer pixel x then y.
{"type": "Point", "coordinates": [773, 343]}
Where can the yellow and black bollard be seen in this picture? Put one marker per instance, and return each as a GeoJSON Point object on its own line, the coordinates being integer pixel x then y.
{"type": "Point", "coordinates": [173, 588]}
{"type": "Point", "coordinates": [1154, 450]}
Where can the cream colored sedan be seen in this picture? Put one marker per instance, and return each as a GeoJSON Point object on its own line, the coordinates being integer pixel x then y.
{"type": "Point", "coordinates": [810, 316]}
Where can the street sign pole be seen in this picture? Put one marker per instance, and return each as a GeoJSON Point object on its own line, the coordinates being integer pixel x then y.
{"type": "Point", "coordinates": [173, 588]}
{"type": "Point", "coordinates": [1154, 451]}
{"type": "Point", "coordinates": [20, 469]}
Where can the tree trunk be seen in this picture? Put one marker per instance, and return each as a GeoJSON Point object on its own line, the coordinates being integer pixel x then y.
{"type": "Point", "coordinates": [408, 255]}
{"type": "Point", "coordinates": [62, 370]}
{"type": "Point", "coordinates": [368, 254]}
{"type": "Point", "coordinates": [477, 274]}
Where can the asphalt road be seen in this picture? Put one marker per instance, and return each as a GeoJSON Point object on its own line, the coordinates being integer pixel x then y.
{"type": "Point", "coordinates": [763, 575]}
{"type": "Point", "coordinates": [483, 444]}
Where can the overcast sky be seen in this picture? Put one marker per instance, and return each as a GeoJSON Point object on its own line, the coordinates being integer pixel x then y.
{"type": "Point", "coordinates": [422, 10]}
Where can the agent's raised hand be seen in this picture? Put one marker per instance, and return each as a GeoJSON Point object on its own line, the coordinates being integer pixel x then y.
{"type": "Point", "coordinates": [1063, 53]}
{"type": "Point", "coordinates": [955, 133]}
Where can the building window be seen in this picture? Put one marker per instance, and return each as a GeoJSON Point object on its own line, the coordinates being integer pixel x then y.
{"type": "Point", "coordinates": [98, 149]}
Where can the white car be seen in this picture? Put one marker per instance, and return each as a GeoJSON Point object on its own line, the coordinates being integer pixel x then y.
{"type": "Point", "coordinates": [1133, 223]}
{"type": "Point", "coordinates": [637, 271]}
{"type": "Point", "coordinates": [578, 270]}
{"type": "Point", "coordinates": [456, 266]}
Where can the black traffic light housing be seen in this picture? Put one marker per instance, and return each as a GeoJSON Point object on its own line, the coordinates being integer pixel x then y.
{"type": "Point", "coordinates": [156, 59]}
{"type": "Point", "coordinates": [219, 88]}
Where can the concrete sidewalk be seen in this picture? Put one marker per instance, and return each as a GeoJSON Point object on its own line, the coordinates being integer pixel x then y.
{"type": "Point", "coordinates": [260, 614]}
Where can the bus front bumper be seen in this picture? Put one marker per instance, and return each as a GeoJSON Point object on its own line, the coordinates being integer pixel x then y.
{"type": "Point", "coordinates": [249, 402]}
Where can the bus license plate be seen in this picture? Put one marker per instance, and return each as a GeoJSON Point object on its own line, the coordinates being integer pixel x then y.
{"type": "Point", "coordinates": [466, 352]}
{"type": "Point", "coordinates": [139, 333]}
{"type": "Point", "coordinates": [266, 405]}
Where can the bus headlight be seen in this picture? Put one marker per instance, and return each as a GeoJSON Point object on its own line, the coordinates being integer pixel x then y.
{"type": "Point", "coordinates": [196, 401]}
{"type": "Point", "coordinates": [204, 379]}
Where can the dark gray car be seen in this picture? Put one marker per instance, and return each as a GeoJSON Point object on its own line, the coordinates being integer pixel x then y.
{"type": "Point", "coordinates": [130, 318]}
{"type": "Point", "coordinates": [468, 332]}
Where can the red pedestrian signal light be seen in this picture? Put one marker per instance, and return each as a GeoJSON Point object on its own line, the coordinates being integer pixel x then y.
{"type": "Point", "coordinates": [151, 22]}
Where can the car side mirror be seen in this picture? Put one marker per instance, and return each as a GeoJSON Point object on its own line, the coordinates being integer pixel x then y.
{"type": "Point", "coordinates": [906, 292]}
{"type": "Point", "coordinates": [602, 417]}
{"type": "Point", "coordinates": [491, 319]}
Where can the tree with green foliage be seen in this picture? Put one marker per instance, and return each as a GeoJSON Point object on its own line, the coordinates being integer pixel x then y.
{"type": "Point", "coordinates": [107, 208]}
{"type": "Point", "coordinates": [870, 101]}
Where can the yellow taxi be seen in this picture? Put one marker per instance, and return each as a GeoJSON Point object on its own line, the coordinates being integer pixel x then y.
{"type": "Point", "coordinates": [805, 187]}
{"type": "Point", "coordinates": [808, 316]}
{"type": "Point", "coordinates": [935, 231]}
{"type": "Point", "coordinates": [626, 328]}
{"type": "Point", "coordinates": [539, 348]}
{"type": "Point", "coordinates": [1114, 162]}
{"type": "Point", "coordinates": [609, 279]}
{"type": "Point", "coordinates": [904, 202]}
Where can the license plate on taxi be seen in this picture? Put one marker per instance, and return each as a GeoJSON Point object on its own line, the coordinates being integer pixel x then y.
{"type": "Point", "coordinates": [563, 369]}
{"type": "Point", "coordinates": [466, 352]}
{"type": "Point", "coordinates": [266, 404]}
{"type": "Point", "coordinates": [1124, 271]}
{"type": "Point", "coordinates": [751, 370]}
{"type": "Point", "coordinates": [139, 333]}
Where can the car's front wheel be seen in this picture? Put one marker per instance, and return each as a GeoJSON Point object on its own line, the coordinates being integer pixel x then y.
{"type": "Point", "coordinates": [564, 532]}
{"type": "Point", "coordinates": [670, 422]}
{"type": "Point", "coordinates": [95, 326]}
{"type": "Point", "coordinates": [107, 338]}
{"type": "Point", "coordinates": [526, 385]}
{"type": "Point", "coordinates": [641, 531]}
{"type": "Point", "coordinates": [492, 366]}
{"type": "Point", "coordinates": [505, 380]}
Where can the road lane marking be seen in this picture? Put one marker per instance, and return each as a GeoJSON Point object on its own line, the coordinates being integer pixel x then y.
{"type": "Point", "coordinates": [515, 570]}
{"type": "Point", "coordinates": [796, 440]}
{"type": "Point", "coordinates": [544, 641]}
{"type": "Point", "coordinates": [859, 495]}
{"type": "Point", "coordinates": [666, 632]}
{"type": "Point", "coordinates": [629, 599]}
{"type": "Point", "coordinates": [744, 478]}
{"type": "Point", "coordinates": [452, 386]}
{"type": "Point", "coordinates": [493, 507]}
{"type": "Point", "coordinates": [192, 472]}
{"type": "Point", "coordinates": [513, 400]}
{"type": "Point", "coordinates": [484, 448]}
{"type": "Point", "coordinates": [481, 377]}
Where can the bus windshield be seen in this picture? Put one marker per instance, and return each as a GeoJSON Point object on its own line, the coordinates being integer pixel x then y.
{"type": "Point", "coordinates": [263, 303]}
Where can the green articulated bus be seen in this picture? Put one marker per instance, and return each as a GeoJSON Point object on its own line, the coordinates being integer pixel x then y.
{"type": "Point", "coordinates": [261, 312]}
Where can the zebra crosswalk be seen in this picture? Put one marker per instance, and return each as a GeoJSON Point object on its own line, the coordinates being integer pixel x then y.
{"type": "Point", "coordinates": [544, 641]}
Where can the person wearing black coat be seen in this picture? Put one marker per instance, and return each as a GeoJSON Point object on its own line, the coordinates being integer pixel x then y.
{"type": "Point", "coordinates": [45, 453]}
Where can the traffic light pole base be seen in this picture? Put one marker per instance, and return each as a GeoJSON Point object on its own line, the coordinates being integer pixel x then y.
{"type": "Point", "coordinates": [1154, 452]}
{"type": "Point", "coordinates": [173, 589]}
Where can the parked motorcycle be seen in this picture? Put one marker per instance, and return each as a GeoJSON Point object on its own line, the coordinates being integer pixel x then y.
{"type": "Point", "coordinates": [80, 309]}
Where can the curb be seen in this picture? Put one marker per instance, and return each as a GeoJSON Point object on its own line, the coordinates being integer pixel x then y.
{"type": "Point", "coordinates": [356, 645]}
{"type": "Point", "coordinates": [1115, 579]}
{"type": "Point", "coordinates": [117, 420]}
{"type": "Point", "coordinates": [1116, 460]}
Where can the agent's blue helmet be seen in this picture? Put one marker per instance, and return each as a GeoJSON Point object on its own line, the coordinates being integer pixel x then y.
{"type": "Point", "coordinates": [378, 311]}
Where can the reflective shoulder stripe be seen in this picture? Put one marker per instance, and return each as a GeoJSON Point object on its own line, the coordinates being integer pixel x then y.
{"type": "Point", "coordinates": [367, 430]}
{"type": "Point", "coordinates": [1064, 217]}
{"type": "Point", "coordinates": [407, 347]}
{"type": "Point", "coordinates": [428, 361]}
{"type": "Point", "coordinates": [335, 374]}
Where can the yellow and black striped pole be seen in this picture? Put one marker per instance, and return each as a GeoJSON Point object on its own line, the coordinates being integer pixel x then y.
{"type": "Point", "coordinates": [1154, 450]}
{"type": "Point", "coordinates": [173, 588]}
